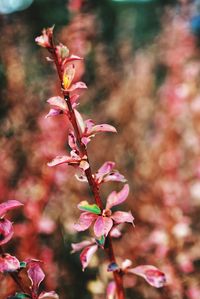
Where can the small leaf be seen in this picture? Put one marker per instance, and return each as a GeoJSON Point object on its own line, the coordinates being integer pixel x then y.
{"type": "Point", "coordinates": [121, 217]}
{"type": "Point", "coordinates": [22, 265]}
{"type": "Point", "coordinates": [115, 232]}
{"type": "Point", "coordinates": [103, 128]}
{"type": "Point", "coordinates": [53, 112]}
{"type": "Point", "coordinates": [48, 295]}
{"type": "Point", "coordinates": [35, 274]}
{"type": "Point", "coordinates": [115, 198]}
{"type": "Point", "coordinates": [111, 290]}
{"type": "Point", "coordinates": [106, 168]}
{"type": "Point", "coordinates": [151, 274]}
{"type": "Point", "coordinates": [84, 165]}
{"type": "Point", "coordinates": [71, 58]}
{"type": "Point", "coordinates": [58, 103]}
{"type": "Point", "coordinates": [79, 246]}
{"type": "Point", "coordinates": [102, 226]}
{"type": "Point", "coordinates": [101, 241]}
{"type": "Point", "coordinates": [68, 76]}
{"type": "Point", "coordinates": [9, 205]}
{"type": "Point", "coordinates": [85, 220]}
{"type": "Point", "coordinates": [112, 267]}
{"type": "Point", "coordinates": [93, 208]}
{"type": "Point", "coordinates": [19, 296]}
{"type": "Point", "coordinates": [77, 85]}
{"type": "Point", "coordinates": [62, 159]}
{"type": "Point", "coordinates": [6, 231]}
{"type": "Point", "coordinates": [9, 263]}
{"type": "Point", "coordinates": [80, 121]}
{"type": "Point", "coordinates": [87, 254]}
{"type": "Point", "coordinates": [72, 140]}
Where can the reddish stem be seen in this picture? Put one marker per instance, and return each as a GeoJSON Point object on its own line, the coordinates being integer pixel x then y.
{"type": "Point", "coordinates": [118, 277]}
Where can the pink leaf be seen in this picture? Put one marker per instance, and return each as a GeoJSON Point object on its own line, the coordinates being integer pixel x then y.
{"type": "Point", "coordinates": [35, 274]}
{"type": "Point", "coordinates": [87, 254]}
{"type": "Point", "coordinates": [81, 178]}
{"type": "Point", "coordinates": [6, 231]}
{"type": "Point", "coordinates": [48, 295]}
{"type": "Point", "coordinates": [85, 140]}
{"type": "Point", "coordinates": [8, 263]}
{"type": "Point", "coordinates": [58, 103]}
{"type": "Point", "coordinates": [103, 128]}
{"type": "Point", "coordinates": [102, 226]}
{"type": "Point", "coordinates": [9, 205]}
{"type": "Point", "coordinates": [89, 124]}
{"type": "Point", "coordinates": [111, 290]}
{"type": "Point", "coordinates": [71, 58]}
{"type": "Point", "coordinates": [106, 173]}
{"type": "Point", "coordinates": [79, 246]}
{"type": "Point", "coordinates": [151, 274]}
{"type": "Point", "coordinates": [121, 217]}
{"type": "Point", "coordinates": [115, 232]}
{"type": "Point", "coordinates": [84, 165]}
{"type": "Point", "coordinates": [115, 198]}
{"type": "Point", "coordinates": [77, 85]}
{"type": "Point", "coordinates": [84, 221]}
{"type": "Point", "coordinates": [53, 112]}
{"type": "Point", "coordinates": [62, 159]}
{"type": "Point", "coordinates": [80, 121]}
{"type": "Point", "coordinates": [72, 140]}
{"type": "Point", "coordinates": [114, 176]}
{"type": "Point", "coordinates": [106, 168]}
{"type": "Point", "coordinates": [74, 99]}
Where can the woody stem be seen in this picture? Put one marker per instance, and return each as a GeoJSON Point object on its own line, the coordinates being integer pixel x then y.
{"type": "Point", "coordinates": [88, 172]}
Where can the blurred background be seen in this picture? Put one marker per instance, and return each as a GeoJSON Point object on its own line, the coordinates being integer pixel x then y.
{"type": "Point", "coordinates": [142, 67]}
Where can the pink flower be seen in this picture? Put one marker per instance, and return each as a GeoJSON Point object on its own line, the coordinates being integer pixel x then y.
{"type": "Point", "coordinates": [104, 220]}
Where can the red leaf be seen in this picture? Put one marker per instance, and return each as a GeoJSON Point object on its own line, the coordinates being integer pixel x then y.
{"type": "Point", "coordinates": [85, 221]}
{"type": "Point", "coordinates": [80, 121]}
{"type": "Point", "coordinates": [6, 231]}
{"type": "Point", "coordinates": [62, 159]}
{"type": "Point", "coordinates": [72, 140]}
{"type": "Point", "coordinates": [9, 205]}
{"type": "Point", "coordinates": [77, 85]}
{"type": "Point", "coordinates": [87, 254]}
{"type": "Point", "coordinates": [151, 274]}
{"type": "Point", "coordinates": [58, 103]}
{"type": "Point", "coordinates": [48, 295]}
{"type": "Point", "coordinates": [115, 198]}
{"type": "Point", "coordinates": [111, 290]}
{"type": "Point", "coordinates": [8, 263]}
{"type": "Point", "coordinates": [102, 226]}
{"type": "Point", "coordinates": [121, 217]}
{"type": "Point", "coordinates": [53, 112]}
{"type": "Point", "coordinates": [35, 274]}
{"type": "Point", "coordinates": [102, 128]}
{"type": "Point", "coordinates": [79, 246]}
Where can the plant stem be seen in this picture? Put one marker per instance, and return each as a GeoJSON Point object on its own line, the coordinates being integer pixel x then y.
{"type": "Point", "coordinates": [93, 186]}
